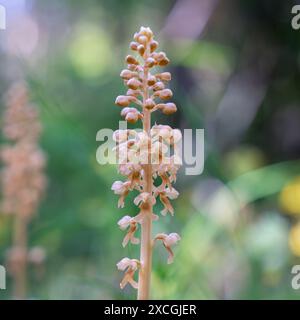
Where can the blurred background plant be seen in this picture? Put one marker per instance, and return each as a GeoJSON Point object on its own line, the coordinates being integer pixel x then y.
{"type": "Point", "coordinates": [23, 182]}
{"type": "Point", "coordinates": [235, 67]}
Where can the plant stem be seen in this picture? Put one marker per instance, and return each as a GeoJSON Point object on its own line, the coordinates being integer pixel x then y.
{"type": "Point", "coordinates": [146, 225]}
{"type": "Point", "coordinates": [20, 244]}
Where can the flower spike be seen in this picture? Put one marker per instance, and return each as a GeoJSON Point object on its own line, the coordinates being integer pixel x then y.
{"type": "Point", "coordinates": [147, 155]}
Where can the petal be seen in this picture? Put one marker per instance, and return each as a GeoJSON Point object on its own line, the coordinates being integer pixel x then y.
{"type": "Point", "coordinates": [171, 255]}
{"type": "Point", "coordinates": [124, 222]}
{"type": "Point", "coordinates": [167, 205]}
{"type": "Point", "coordinates": [123, 264]}
{"type": "Point", "coordinates": [126, 240]}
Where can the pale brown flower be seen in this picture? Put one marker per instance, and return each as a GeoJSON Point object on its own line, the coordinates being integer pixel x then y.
{"type": "Point", "coordinates": [131, 223]}
{"type": "Point", "coordinates": [122, 189]}
{"type": "Point", "coordinates": [130, 266]}
{"type": "Point", "coordinates": [168, 241]}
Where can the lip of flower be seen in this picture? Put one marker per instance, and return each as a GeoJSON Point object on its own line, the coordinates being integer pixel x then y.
{"type": "Point", "coordinates": [168, 241]}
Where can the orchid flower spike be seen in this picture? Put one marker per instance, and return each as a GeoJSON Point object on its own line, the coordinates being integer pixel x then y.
{"type": "Point", "coordinates": [145, 156]}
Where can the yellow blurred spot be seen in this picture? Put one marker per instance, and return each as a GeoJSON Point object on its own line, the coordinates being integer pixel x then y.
{"type": "Point", "coordinates": [290, 197]}
{"type": "Point", "coordinates": [243, 159]}
{"type": "Point", "coordinates": [90, 51]}
{"type": "Point", "coordinates": [294, 240]}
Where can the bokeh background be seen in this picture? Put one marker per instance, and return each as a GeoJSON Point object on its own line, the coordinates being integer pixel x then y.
{"type": "Point", "coordinates": [235, 67]}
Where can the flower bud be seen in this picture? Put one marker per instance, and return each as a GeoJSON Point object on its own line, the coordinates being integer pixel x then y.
{"type": "Point", "coordinates": [164, 62]}
{"type": "Point", "coordinates": [151, 80]}
{"type": "Point", "coordinates": [160, 56]}
{"type": "Point", "coordinates": [122, 101]}
{"type": "Point", "coordinates": [158, 86]}
{"type": "Point", "coordinates": [153, 45]}
{"type": "Point", "coordinates": [150, 62]}
{"type": "Point", "coordinates": [131, 117]}
{"type": "Point", "coordinates": [149, 104]}
{"type": "Point", "coordinates": [133, 46]}
{"type": "Point", "coordinates": [164, 76]}
{"type": "Point", "coordinates": [131, 60]}
{"type": "Point", "coordinates": [142, 39]}
{"type": "Point", "coordinates": [127, 110]}
{"type": "Point", "coordinates": [164, 94]}
{"type": "Point", "coordinates": [141, 49]}
{"type": "Point", "coordinates": [133, 83]}
{"type": "Point", "coordinates": [126, 74]}
{"type": "Point", "coordinates": [169, 108]}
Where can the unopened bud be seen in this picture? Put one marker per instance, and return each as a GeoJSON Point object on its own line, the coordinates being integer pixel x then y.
{"type": "Point", "coordinates": [125, 111]}
{"type": "Point", "coordinates": [165, 94]}
{"type": "Point", "coordinates": [164, 76]}
{"type": "Point", "coordinates": [133, 83]}
{"type": "Point", "coordinates": [150, 62]}
{"type": "Point", "coordinates": [169, 108]}
{"type": "Point", "coordinates": [141, 49]}
{"type": "Point", "coordinates": [160, 56]}
{"type": "Point", "coordinates": [164, 62]}
{"type": "Point", "coordinates": [133, 46]}
{"type": "Point", "coordinates": [151, 80]}
{"type": "Point", "coordinates": [158, 86]}
{"type": "Point", "coordinates": [153, 45]}
{"type": "Point", "coordinates": [122, 101]}
{"type": "Point", "coordinates": [131, 117]}
{"type": "Point", "coordinates": [131, 60]}
{"type": "Point", "coordinates": [126, 74]}
{"type": "Point", "coordinates": [149, 104]}
{"type": "Point", "coordinates": [142, 39]}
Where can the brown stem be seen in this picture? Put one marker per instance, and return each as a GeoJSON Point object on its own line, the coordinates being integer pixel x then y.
{"type": "Point", "coordinates": [20, 245]}
{"type": "Point", "coordinates": [146, 225]}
